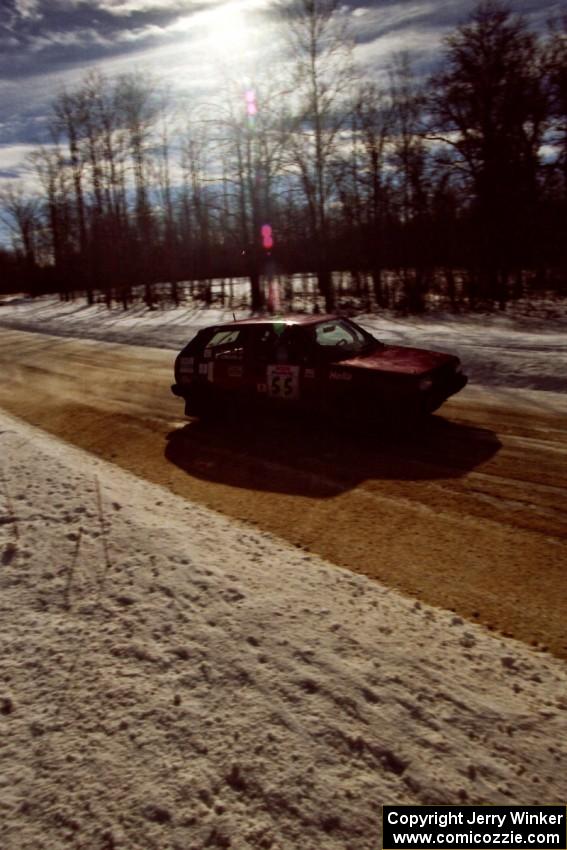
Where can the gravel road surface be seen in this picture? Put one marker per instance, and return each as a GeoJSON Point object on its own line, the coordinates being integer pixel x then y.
{"type": "Point", "coordinates": [468, 514]}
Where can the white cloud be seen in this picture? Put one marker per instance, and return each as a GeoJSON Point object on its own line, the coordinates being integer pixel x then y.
{"type": "Point", "coordinates": [16, 168]}
{"type": "Point", "coordinates": [7, 42]}
{"type": "Point", "coordinates": [138, 34]}
{"type": "Point", "coordinates": [121, 8]}
{"type": "Point", "coordinates": [28, 9]}
{"type": "Point", "coordinates": [13, 156]}
{"type": "Point", "coordinates": [399, 15]}
{"type": "Point", "coordinates": [71, 38]}
{"type": "Point", "coordinates": [381, 50]}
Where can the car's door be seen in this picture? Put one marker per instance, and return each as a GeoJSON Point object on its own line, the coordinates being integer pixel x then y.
{"type": "Point", "coordinates": [258, 353]}
{"type": "Point", "coordinates": [284, 373]}
{"type": "Point", "coordinates": [271, 368]}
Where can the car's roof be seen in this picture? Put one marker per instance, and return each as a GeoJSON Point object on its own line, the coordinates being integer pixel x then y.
{"type": "Point", "coordinates": [289, 319]}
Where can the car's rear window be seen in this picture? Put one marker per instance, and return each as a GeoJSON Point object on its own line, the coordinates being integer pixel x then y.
{"type": "Point", "coordinates": [223, 338]}
{"type": "Point", "coordinates": [224, 342]}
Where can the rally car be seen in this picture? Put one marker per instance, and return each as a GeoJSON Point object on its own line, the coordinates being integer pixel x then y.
{"type": "Point", "coordinates": [327, 364]}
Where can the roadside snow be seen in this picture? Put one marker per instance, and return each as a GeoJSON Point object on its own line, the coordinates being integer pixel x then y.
{"type": "Point", "coordinates": [172, 679]}
{"type": "Point", "coordinates": [496, 350]}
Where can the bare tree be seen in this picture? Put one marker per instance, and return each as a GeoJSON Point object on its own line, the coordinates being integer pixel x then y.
{"type": "Point", "coordinates": [21, 214]}
{"type": "Point", "coordinates": [323, 76]}
{"type": "Point", "coordinates": [89, 123]}
{"type": "Point", "coordinates": [555, 64]}
{"type": "Point", "coordinates": [137, 109]}
{"type": "Point", "coordinates": [196, 206]}
{"type": "Point", "coordinates": [489, 109]}
{"type": "Point", "coordinates": [52, 171]}
{"type": "Point", "coordinates": [408, 157]}
{"type": "Point", "coordinates": [373, 120]}
{"type": "Point", "coordinates": [249, 139]}
{"type": "Point", "coordinates": [165, 193]}
{"type": "Point", "coordinates": [68, 116]}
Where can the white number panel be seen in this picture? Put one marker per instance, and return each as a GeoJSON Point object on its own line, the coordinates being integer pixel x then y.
{"type": "Point", "coordinates": [283, 382]}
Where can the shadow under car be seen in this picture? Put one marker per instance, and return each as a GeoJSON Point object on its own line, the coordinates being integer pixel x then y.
{"type": "Point", "coordinates": [320, 459]}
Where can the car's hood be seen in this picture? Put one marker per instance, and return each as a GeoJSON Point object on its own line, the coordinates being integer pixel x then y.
{"type": "Point", "coordinates": [400, 359]}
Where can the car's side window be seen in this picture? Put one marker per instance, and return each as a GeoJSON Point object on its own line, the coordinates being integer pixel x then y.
{"type": "Point", "coordinates": [333, 334]}
{"type": "Point", "coordinates": [259, 346]}
{"type": "Point", "coordinates": [339, 338]}
{"type": "Point", "coordinates": [301, 346]}
{"type": "Point", "coordinates": [292, 348]}
{"type": "Point", "coordinates": [282, 353]}
{"type": "Point", "coordinates": [268, 345]}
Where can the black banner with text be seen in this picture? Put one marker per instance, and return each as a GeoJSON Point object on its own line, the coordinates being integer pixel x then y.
{"type": "Point", "coordinates": [478, 827]}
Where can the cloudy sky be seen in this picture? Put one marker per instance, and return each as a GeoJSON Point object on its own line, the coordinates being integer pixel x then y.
{"type": "Point", "coordinates": [46, 45]}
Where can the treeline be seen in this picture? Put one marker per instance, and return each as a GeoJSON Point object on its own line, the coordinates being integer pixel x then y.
{"type": "Point", "coordinates": [455, 185]}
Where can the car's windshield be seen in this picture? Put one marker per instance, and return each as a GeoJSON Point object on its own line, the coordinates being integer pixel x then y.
{"type": "Point", "coordinates": [340, 338]}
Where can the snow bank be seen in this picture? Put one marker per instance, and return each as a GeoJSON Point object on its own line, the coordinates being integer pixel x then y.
{"type": "Point", "coordinates": [497, 350]}
{"type": "Point", "coordinates": [171, 679]}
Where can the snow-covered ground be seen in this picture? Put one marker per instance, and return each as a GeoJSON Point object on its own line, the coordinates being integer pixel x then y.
{"type": "Point", "coordinates": [508, 350]}
{"type": "Point", "coordinates": [172, 679]}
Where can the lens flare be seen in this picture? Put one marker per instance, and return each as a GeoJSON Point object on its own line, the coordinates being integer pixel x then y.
{"type": "Point", "coordinates": [267, 237]}
{"type": "Point", "coordinates": [251, 105]}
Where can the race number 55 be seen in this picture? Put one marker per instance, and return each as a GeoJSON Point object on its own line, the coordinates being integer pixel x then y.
{"type": "Point", "coordinates": [283, 381]}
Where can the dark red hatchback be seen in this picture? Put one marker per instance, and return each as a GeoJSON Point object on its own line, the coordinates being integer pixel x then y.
{"type": "Point", "coordinates": [319, 363]}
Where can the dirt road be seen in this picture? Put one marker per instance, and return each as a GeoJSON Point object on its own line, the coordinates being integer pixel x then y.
{"type": "Point", "coordinates": [469, 515]}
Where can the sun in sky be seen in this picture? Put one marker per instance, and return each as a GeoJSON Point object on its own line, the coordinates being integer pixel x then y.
{"type": "Point", "coordinates": [217, 43]}
{"type": "Point", "coordinates": [228, 30]}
